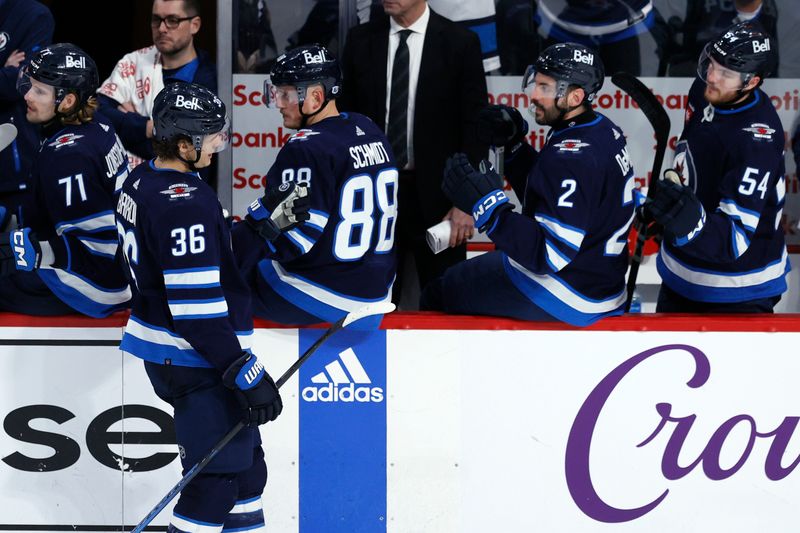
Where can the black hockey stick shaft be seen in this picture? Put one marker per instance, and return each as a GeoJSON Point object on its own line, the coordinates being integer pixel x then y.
{"type": "Point", "coordinates": [367, 310]}
{"type": "Point", "coordinates": [660, 122]}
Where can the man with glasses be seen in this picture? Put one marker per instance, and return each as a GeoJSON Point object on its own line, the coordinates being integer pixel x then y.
{"type": "Point", "coordinates": [564, 257]}
{"type": "Point", "coordinates": [720, 206]}
{"type": "Point", "coordinates": [127, 96]}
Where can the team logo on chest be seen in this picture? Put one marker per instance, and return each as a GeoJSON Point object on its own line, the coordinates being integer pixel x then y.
{"type": "Point", "coordinates": [179, 190]}
{"type": "Point", "coordinates": [68, 139]}
{"type": "Point", "coordinates": [571, 145]}
{"type": "Point", "coordinates": [303, 135]}
{"type": "Point", "coordinates": [760, 131]}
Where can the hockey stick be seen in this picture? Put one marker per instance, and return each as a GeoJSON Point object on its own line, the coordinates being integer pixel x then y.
{"type": "Point", "coordinates": [368, 310]}
{"type": "Point", "coordinates": [659, 120]}
{"type": "Point", "coordinates": [8, 132]}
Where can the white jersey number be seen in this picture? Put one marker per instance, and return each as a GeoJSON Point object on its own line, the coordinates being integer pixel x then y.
{"type": "Point", "coordinates": [357, 208]}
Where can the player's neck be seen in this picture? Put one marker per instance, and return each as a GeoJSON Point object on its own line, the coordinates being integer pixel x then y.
{"type": "Point", "coordinates": [179, 58]}
{"type": "Point", "coordinates": [172, 164]}
{"type": "Point", "coordinates": [330, 110]}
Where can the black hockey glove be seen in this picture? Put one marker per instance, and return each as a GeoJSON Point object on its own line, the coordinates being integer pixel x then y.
{"type": "Point", "coordinates": [479, 193]}
{"type": "Point", "coordinates": [501, 125]}
{"type": "Point", "coordinates": [279, 210]}
{"type": "Point", "coordinates": [677, 209]}
{"type": "Point", "coordinates": [254, 389]}
{"type": "Point", "coordinates": [19, 250]}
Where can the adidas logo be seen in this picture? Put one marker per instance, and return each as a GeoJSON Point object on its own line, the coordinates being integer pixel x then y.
{"type": "Point", "coordinates": [334, 384]}
{"type": "Point", "coordinates": [359, 131]}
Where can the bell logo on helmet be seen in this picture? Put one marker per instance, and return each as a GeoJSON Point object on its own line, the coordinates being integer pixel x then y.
{"type": "Point", "coordinates": [314, 58]}
{"type": "Point", "coordinates": [193, 104]}
{"type": "Point", "coordinates": [75, 62]}
{"type": "Point", "coordinates": [583, 57]}
{"type": "Point", "coordinates": [762, 46]}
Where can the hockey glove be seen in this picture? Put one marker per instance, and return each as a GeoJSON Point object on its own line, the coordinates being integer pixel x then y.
{"type": "Point", "coordinates": [479, 193]}
{"type": "Point", "coordinates": [19, 250]}
{"type": "Point", "coordinates": [501, 125]}
{"type": "Point", "coordinates": [677, 209]}
{"type": "Point", "coordinates": [279, 210]}
{"type": "Point", "coordinates": [254, 389]}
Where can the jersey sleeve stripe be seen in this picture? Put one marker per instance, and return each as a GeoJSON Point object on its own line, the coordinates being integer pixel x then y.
{"type": "Point", "coordinates": [100, 247]}
{"type": "Point", "coordinates": [555, 258]}
{"type": "Point", "coordinates": [300, 240]}
{"type": "Point", "coordinates": [780, 189]}
{"type": "Point", "coordinates": [749, 219]}
{"type": "Point", "coordinates": [191, 278]}
{"type": "Point", "coordinates": [90, 290]}
{"type": "Point", "coordinates": [570, 236]}
{"type": "Point", "coordinates": [120, 180]}
{"type": "Point", "coordinates": [190, 309]}
{"type": "Point", "coordinates": [96, 222]}
{"type": "Point", "coordinates": [739, 241]}
{"type": "Point", "coordinates": [318, 220]}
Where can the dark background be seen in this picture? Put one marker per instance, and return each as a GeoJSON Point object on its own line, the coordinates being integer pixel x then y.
{"type": "Point", "coordinates": [107, 30]}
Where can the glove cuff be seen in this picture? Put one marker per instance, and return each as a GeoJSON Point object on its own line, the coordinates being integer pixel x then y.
{"type": "Point", "coordinates": [257, 211]}
{"type": "Point", "coordinates": [244, 373]}
{"type": "Point", "coordinates": [484, 208]}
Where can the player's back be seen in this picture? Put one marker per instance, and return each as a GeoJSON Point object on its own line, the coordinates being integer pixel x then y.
{"type": "Point", "coordinates": [74, 182]}
{"type": "Point", "coordinates": [177, 246]}
{"type": "Point", "coordinates": [344, 255]}
{"type": "Point", "coordinates": [584, 182]}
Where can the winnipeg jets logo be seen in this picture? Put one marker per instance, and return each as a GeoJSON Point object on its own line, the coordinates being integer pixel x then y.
{"type": "Point", "coordinates": [179, 190]}
{"type": "Point", "coordinates": [68, 139]}
{"type": "Point", "coordinates": [683, 163]}
{"type": "Point", "coordinates": [4, 38]}
{"type": "Point", "coordinates": [571, 145]}
{"type": "Point", "coordinates": [760, 131]}
{"type": "Point", "coordinates": [303, 135]}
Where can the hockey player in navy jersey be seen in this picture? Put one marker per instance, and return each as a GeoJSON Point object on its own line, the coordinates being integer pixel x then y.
{"type": "Point", "coordinates": [723, 249]}
{"type": "Point", "coordinates": [65, 257]}
{"type": "Point", "coordinates": [341, 256]}
{"type": "Point", "coordinates": [191, 320]}
{"type": "Point", "coordinates": [565, 256]}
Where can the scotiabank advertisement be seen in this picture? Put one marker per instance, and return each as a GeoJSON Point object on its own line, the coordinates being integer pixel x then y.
{"type": "Point", "coordinates": [258, 132]}
{"type": "Point", "coordinates": [639, 424]}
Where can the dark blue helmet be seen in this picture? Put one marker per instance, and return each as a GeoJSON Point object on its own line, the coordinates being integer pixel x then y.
{"type": "Point", "coordinates": [745, 48]}
{"type": "Point", "coordinates": [65, 67]}
{"type": "Point", "coordinates": [569, 64]}
{"type": "Point", "coordinates": [191, 110]}
{"type": "Point", "coordinates": [308, 65]}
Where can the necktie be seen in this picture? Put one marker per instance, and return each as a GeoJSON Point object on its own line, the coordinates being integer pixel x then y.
{"type": "Point", "coordinates": [397, 130]}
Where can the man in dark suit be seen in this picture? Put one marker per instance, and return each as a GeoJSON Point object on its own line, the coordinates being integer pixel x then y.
{"type": "Point", "coordinates": [427, 106]}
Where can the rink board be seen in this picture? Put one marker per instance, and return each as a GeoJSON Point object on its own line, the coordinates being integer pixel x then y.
{"type": "Point", "coordinates": [433, 425]}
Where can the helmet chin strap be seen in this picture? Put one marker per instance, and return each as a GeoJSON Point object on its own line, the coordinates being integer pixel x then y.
{"type": "Point", "coordinates": [304, 117]}
{"type": "Point", "coordinates": [190, 164]}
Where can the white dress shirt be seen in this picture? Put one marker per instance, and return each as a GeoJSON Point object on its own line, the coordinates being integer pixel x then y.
{"type": "Point", "coordinates": [414, 42]}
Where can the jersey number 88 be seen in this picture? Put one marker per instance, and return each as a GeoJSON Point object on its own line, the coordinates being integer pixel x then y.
{"type": "Point", "coordinates": [358, 199]}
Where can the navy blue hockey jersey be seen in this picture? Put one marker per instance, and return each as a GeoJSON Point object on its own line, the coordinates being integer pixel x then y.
{"type": "Point", "coordinates": [567, 252]}
{"type": "Point", "coordinates": [75, 178]}
{"type": "Point", "coordinates": [594, 23]}
{"type": "Point", "coordinates": [343, 257]}
{"type": "Point", "coordinates": [733, 160]}
{"type": "Point", "coordinates": [191, 306]}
